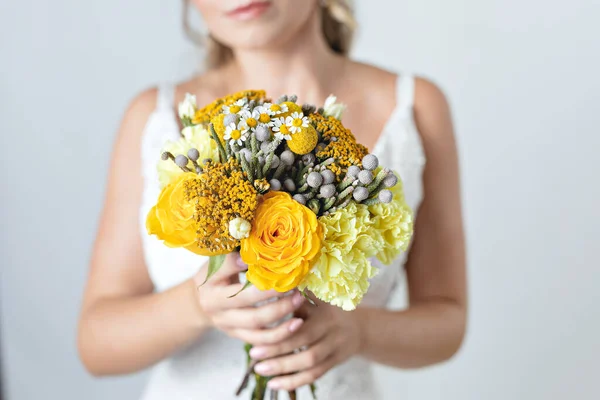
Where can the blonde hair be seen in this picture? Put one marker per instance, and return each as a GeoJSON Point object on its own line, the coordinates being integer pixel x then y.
{"type": "Point", "coordinates": [338, 26]}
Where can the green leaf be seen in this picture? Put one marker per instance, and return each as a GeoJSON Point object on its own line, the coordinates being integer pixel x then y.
{"type": "Point", "coordinates": [246, 286]}
{"type": "Point", "coordinates": [214, 264]}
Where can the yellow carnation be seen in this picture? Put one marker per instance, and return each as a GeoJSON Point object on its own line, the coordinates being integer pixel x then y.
{"type": "Point", "coordinates": [341, 276]}
{"type": "Point", "coordinates": [394, 223]}
{"type": "Point", "coordinates": [197, 137]}
{"type": "Point", "coordinates": [283, 245]}
{"type": "Point", "coordinates": [172, 218]}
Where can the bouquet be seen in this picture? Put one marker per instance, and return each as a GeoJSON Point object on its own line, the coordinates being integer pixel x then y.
{"type": "Point", "coordinates": [289, 187]}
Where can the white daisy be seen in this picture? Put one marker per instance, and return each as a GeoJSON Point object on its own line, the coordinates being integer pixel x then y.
{"type": "Point", "coordinates": [236, 134]}
{"type": "Point", "coordinates": [276, 109]}
{"type": "Point", "coordinates": [296, 122]}
{"type": "Point", "coordinates": [281, 130]}
{"type": "Point", "coordinates": [250, 119]}
{"type": "Point", "coordinates": [263, 115]}
{"type": "Point", "coordinates": [237, 107]}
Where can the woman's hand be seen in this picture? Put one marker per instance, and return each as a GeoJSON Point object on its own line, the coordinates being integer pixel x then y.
{"type": "Point", "coordinates": [239, 316]}
{"type": "Point", "coordinates": [329, 336]}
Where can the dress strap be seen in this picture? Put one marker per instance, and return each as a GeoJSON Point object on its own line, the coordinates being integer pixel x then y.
{"type": "Point", "coordinates": [405, 91]}
{"type": "Point", "coordinates": [165, 97]}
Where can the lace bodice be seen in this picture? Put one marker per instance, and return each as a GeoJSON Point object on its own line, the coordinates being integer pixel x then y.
{"type": "Point", "coordinates": [211, 367]}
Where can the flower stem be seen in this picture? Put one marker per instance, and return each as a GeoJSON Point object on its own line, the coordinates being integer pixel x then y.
{"type": "Point", "coordinates": [219, 144]}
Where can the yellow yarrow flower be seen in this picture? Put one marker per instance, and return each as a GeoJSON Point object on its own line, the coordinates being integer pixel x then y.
{"type": "Point", "coordinates": [205, 114]}
{"type": "Point", "coordinates": [196, 137]}
{"type": "Point", "coordinates": [221, 194]}
{"type": "Point", "coordinates": [344, 149]}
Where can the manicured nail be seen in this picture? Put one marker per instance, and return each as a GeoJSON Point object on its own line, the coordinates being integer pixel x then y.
{"type": "Point", "coordinates": [273, 385]}
{"type": "Point", "coordinates": [262, 368]}
{"type": "Point", "coordinates": [295, 324]}
{"type": "Point", "coordinates": [297, 300]}
{"type": "Point", "coordinates": [257, 352]}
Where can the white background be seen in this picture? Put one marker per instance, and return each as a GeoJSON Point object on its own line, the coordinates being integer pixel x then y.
{"type": "Point", "coordinates": [522, 77]}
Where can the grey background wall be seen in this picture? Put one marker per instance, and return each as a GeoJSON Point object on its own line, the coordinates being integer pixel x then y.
{"type": "Point", "coordinates": [522, 77]}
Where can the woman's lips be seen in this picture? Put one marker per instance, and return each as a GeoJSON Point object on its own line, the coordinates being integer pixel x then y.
{"type": "Point", "coordinates": [250, 11]}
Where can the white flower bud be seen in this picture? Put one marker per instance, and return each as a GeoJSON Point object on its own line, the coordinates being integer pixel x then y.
{"type": "Point", "coordinates": [187, 108]}
{"type": "Point", "coordinates": [239, 228]}
{"type": "Point", "coordinates": [327, 191]}
{"type": "Point", "coordinates": [333, 109]}
{"type": "Point", "coordinates": [287, 157]}
{"type": "Point", "coordinates": [275, 184]}
{"type": "Point", "coordinates": [390, 180]}
{"type": "Point", "coordinates": [289, 185]}
{"type": "Point", "coordinates": [353, 171]}
{"type": "Point", "coordinates": [300, 198]}
{"type": "Point", "coordinates": [365, 177]}
{"type": "Point", "coordinates": [247, 153]}
{"type": "Point", "coordinates": [370, 162]}
{"type": "Point", "coordinates": [308, 158]}
{"type": "Point", "coordinates": [360, 194]}
{"type": "Point", "coordinates": [230, 119]}
{"type": "Point", "coordinates": [275, 162]}
{"type": "Point", "coordinates": [193, 154]}
{"type": "Point", "coordinates": [385, 196]}
{"type": "Point", "coordinates": [314, 179]}
{"type": "Point", "coordinates": [262, 133]}
{"type": "Point", "coordinates": [181, 160]}
{"type": "Point", "coordinates": [328, 176]}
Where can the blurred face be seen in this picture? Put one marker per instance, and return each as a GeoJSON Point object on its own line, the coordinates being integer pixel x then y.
{"type": "Point", "coordinates": [254, 24]}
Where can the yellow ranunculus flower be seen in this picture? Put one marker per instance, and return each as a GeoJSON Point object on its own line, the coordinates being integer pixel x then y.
{"type": "Point", "coordinates": [283, 245]}
{"type": "Point", "coordinates": [197, 137]}
{"type": "Point", "coordinates": [341, 276]}
{"type": "Point", "coordinates": [394, 223]}
{"type": "Point", "coordinates": [172, 218]}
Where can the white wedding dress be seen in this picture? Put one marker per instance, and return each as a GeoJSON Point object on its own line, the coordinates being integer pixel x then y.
{"type": "Point", "coordinates": [212, 367]}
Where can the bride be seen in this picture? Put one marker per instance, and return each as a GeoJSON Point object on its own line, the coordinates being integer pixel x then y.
{"type": "Point", "coordinates": [142, 305]}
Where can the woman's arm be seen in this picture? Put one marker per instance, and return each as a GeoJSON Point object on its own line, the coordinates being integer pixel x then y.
{"type": "Point", "coordinates": [432, 329]}
{"type": "Point", "coordinates": [124, 326]}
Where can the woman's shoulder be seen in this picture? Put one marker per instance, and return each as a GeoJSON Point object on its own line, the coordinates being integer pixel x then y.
{"type": "Point", "coordinates": [425, 91]}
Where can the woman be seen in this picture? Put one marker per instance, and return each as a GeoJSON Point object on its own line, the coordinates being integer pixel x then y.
{"type": "Point", "coordinates": [142, 305]}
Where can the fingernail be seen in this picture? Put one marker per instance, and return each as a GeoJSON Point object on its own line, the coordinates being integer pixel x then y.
{"type": "Point", "coordinates": [240, 263]}
{"type": "Point", "coordinates": [297, 300]}
{"type": "Point", "coordinates": [295, 324]}
{"type": "Point", "coordinates": [262, 368]}
{"type": "Point", "coordinates": [273, 385]}
{"type": "Point", "coordinates": [257, 352]}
